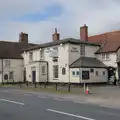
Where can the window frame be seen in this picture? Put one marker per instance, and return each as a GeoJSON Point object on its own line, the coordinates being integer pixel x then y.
{"type": "Point", "coordinates": [82, 49]}
{"type": "Point", "coordinates": [30, 56]}
{"type": "Point", "coordinates": [11, 76]}
{"type": "Point", "coordinates": [55, 71]}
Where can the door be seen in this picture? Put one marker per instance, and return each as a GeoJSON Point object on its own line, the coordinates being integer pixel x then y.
{"type": "Point", "coordinates": [24, 75]}
{"type": "Point", "coordinates": [33, 76]}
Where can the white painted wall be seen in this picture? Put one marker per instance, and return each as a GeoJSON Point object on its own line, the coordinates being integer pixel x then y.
{"type": "Point", "coordinates": [111, 62]}
{"type": "Point", "coordinates": [93, 78]}
{"type": "Point", "coordinates": [16, 66]}
{"type": "Point", "coordinates": [65, 57]}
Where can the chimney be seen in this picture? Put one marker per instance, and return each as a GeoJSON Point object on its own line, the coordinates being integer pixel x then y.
{"type": "Point", "coordinates": [56, 36]}
{"type": "Point", "coordinates": [23, 37]}
{"type": "Point", "coordinates": [84, 33]}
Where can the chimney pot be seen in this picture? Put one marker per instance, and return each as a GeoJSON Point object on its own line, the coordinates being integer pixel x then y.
{"type": "Point", "coordinates": [56, 35]}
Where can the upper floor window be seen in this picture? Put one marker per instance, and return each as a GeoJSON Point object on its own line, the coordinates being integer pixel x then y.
{"type": "Point", "coordinates": [55, 49]}
{"type": "Point", "coordinates": [7, 63]}
{"type": "Point", "coordinates": [63, 71]}
{"type": "Point", "coordinates": [41, 53]}
{"type": "Point", "coordinates": [105, 56]}
{"type": "Point", "coordinates": [82, 50]}
{"type": "Point", "coordinates": [30, 56]}
{"type": "Point", "coordinates": [55, 71]}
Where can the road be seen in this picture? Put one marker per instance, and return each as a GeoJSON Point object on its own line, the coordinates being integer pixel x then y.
{"type": "Point", "coordinates": [18, 105]}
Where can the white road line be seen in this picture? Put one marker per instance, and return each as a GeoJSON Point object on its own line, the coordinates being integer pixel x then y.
{"type": "Point", "coordinates": [59, 99]}
{"type": "Point", "coordinates": [5, 100]}
{"type": "Point", "coordinates": [72, 115]}
{"type": "Point", "coordinates": [80, 102]}
{"type": "Point", "coordinates": [105, 106]}
{"type": "Point", "coordinates": [27, 95]}
{"type": "Point", "coordinates": [42, 97]}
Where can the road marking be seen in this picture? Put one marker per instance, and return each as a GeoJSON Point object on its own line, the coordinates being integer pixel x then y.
{"type": "Point", "coordinates": [5, 100]}
{"type": "Point", "coordinates": [106, 106]}
{"type": "Point", "coordinates": [80, 102]}
{"type": "Point", "coordinates": [59, 99]}
{"type": "Point", "coordinates": [42, 97]}
{"type": "Point", "coordinates": [27, 95]}
{"type": "Point", "coordinates": [72, 115]}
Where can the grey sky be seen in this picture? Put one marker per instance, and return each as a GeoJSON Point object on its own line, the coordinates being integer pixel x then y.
{"type": "Point", "coordinates": [100, 16]}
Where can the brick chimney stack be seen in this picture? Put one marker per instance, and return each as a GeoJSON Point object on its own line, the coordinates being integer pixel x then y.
{"type": "Point", "coordinates": [23, 37]}
{"type": "Point", "coordinates": [56, 35]}
{"type": "Point", "coordinates": [84, 33]}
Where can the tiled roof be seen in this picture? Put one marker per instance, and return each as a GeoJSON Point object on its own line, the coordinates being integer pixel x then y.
{"type": "Point", "coordinates": [87, 62]}
{"type": "Point", "coordinates": [64, 41]}
{"type": "Point", "coordinates": [110, 41]}
{"type": "Point", "coordinates": [11, 50]}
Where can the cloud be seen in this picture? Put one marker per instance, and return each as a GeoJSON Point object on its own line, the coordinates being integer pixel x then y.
{"type": "Point", "coordinates": [39, 18]}
{"type": "Point", "coordinates": [48, 12]}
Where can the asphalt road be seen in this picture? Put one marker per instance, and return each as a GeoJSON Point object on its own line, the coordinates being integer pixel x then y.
{"type": "Point", "coordinates": [19, 105]}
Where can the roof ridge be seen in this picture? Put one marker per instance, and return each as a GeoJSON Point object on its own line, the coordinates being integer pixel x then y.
{"type": "Point", "coordinates": [104, 33]}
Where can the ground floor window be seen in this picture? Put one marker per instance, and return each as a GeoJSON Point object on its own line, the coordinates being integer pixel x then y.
{"type": "Point", "coordinates": [6, 77]}
{"type": "Point", "coordinates": [43, 69]}
{"type": "Point", "coordinates": [85, 75]}
{"type": "Point", "coordinates": [63, 71]}
{"type": "Point", "coordinates": [11, 75]}
{"type": "Point", "coordinates": [55, 71]}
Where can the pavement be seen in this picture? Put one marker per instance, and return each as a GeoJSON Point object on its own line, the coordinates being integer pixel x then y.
{"type": "Point", "coordinates": [19, 104]}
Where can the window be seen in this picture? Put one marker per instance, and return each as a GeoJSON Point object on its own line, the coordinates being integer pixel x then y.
{"type": "Point", "coordinates": [56, 49]}
{"type": "Point", "coordinates": [105, 56]}
{"type": "Point", "coordinates": [55, 59]}
{"type": "Point", "coordinates": [82, 50]}
{"type": "Point", "coordinates": [31, 56]}
{"type": "Point", "coordinates": [103, 73]}
{"type": "Point", "coordinates": [11, 75]}
{"type": "Point", "coordinates": [55, 71]}
{"type": "Point", "coordinates": [43, 69]}
{"type": "Point", "coordinates": [41, 53]}
{"type": "Point", "coordinates": [96, 73]}
{"type": "Point", "coordinates": [73, 73]}
{"type": "Point", "coordinates": [7, 63]}
{"type": "Point", "coordinates": [78, 73]}
{"type": "Point", "coordinates": [91, 70]}
{"type": "Point", "coordinates": [63, 71]}
{"type": "Point", "coordinates": [85, 75]}
{"type": "Point", "coordinates": [5, 77]}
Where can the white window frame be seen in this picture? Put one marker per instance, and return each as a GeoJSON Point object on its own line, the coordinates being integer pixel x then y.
{"type": "Point", "coordinates": [31, 56]}
{"type": "Point", "coordinates": [43, 70]}
{"type": "Point", "coordinates": [7, 63]}
{"type": "Point", "coordinates": [105, 56]}
{"type": "Point", "coordinates": [82, 49]}
{"type": "Point", "coordinates": [11, 76]}
{"type": "Point", "coordinates": [41, 53]}
{"type": "Point", "coordinates": [55, 71]}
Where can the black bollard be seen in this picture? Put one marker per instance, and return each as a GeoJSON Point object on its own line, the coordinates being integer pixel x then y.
{"type": "Point", "coordinates": [56, 86]}
{"type": "Point", "coordinates": [69, 87]}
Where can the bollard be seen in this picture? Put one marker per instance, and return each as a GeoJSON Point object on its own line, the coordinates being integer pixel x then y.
{"type": "Point", "coordinates": [56, 86]}
{"type": "Point", "coordinates": [27, 83]}
{"type": "Point", "coordinates": [45, 84]}
{"type": "Point", "coordinates": [35, 84]}
{"type": "Point", "coordinates": [69, 87]}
